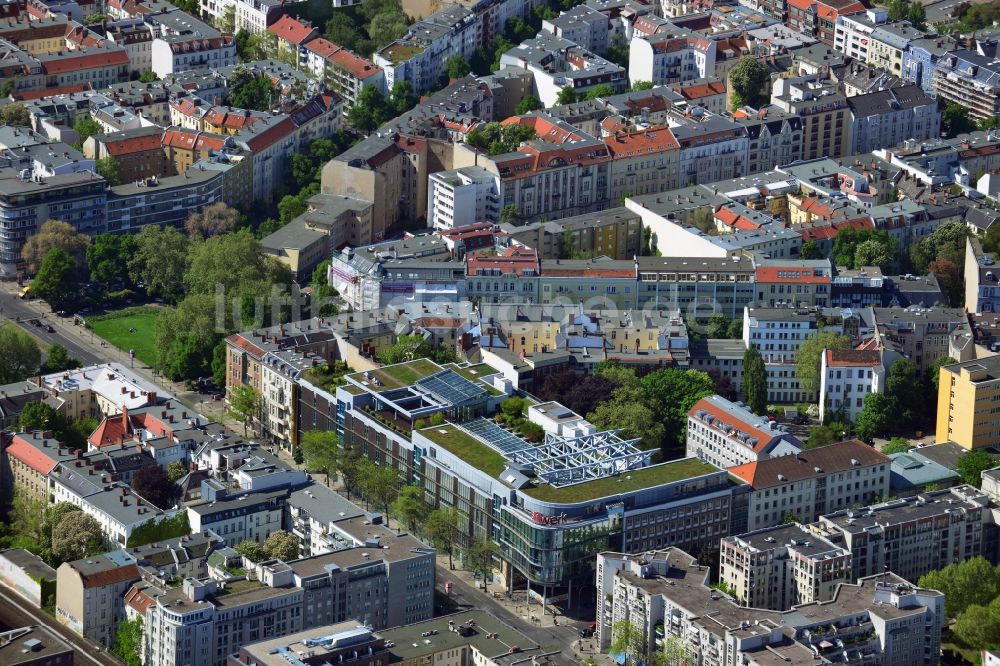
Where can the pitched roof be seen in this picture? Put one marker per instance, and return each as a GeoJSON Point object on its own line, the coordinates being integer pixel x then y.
{"type": "Point", "coordinates": [736, 422]}
{"type": "Point", "coordinates": [30, 455]}
{"type": "Point", "coordinates": [133, 144]}
{"type": "Point", "coordinates": [802, 275]}
{"type": "Point", "coordinates": [192, 140]}
{"type": "Point", "coordinates": [808, 464]}
{"type": "Point", "coordinates": [291, 30]}
{"type": "Point", "coordinates": [648, 142]}
{"type": "Point", "coordinates": [75, 63]}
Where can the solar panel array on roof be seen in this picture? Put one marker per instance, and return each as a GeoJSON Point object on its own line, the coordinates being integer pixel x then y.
{"type": "Point", "coordinates": [499, 438]}
{"type": "Point", "coordinates": [451, 387]}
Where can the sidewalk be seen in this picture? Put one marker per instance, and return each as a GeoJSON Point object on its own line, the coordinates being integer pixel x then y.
{"type": "Point", "coordinates": [84, 337]}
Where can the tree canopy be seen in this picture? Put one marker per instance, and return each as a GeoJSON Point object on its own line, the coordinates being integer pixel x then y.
{"type": "Point", "coordinates": [281, 545]}
{"type": "Point", "coordinates": [57, 281]}
{"type": "Point", "coordinates": [755, 381]}
{"type": "Point", "coordinates": [972, 464]}
{"type": "Point", "coordinates": [497, 139]}
{"type": "Point", "coordinates": [19, 355]}
{"type": "Point", "coordinates": [248, 90]}
{"type": "Point", "coordinates": [749, 82]}
{"type": "Point", "coordinates": [54, 234]}
{"type": "Point", "coordinates": [809, 356]}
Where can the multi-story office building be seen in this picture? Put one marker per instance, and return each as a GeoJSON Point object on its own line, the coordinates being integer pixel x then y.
{"type": "Point", "coordinates": [814, 482]}
{"type": "Point", "coordinates": [914, 535]}
{"type": "Point", "coordinates": [966, 409]}
{"type": "Point", "coordinates": [727, 434]}
{"type": "Point", "coordinates": [846, 376]}
{"type": "Point", "coordinates": [879, 619]}
{"type": "Point", "coordinates": [548, 513]}
{"type": "Point", "coordinates": [781, 567]}
{"type": "Point", "coordinates": [343, 642]}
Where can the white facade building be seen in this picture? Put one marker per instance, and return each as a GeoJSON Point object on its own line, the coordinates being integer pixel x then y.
{"type": "Point", "coordinates": [846, 377]}
{"type": "Point", "coordinates": [461, 197]}
{"type": "Point", "coordinates": [671, 58]}
{"type": "Point", "coordinates": [727, 434]}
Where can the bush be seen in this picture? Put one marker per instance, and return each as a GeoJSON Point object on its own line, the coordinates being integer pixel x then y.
{"type": "Point", "coordinates": [168, 528]}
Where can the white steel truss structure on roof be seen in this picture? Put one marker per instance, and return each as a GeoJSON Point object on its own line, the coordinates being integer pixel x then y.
{"type": "Point", "coordinates": [564, 460]}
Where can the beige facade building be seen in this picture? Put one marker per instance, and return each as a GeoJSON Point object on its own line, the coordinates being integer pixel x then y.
{"type": "Point", "coordinates": [968, 394]}
{"type": "Point", "coordinates": [780, 567]}
{"type": "Point", "coordinates": [90, 594]}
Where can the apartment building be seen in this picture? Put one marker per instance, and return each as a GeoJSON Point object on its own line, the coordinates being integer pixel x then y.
{"type": "Point", "coordinates": [137, 151]}
{"type": "Point", "coordinates": [969, 79]}
{"type": "Point", "coordinates": [727, 434]}
{"type": "Point", "coordinates": [818, 18]}
{"type": "Point", "coordinates": [853, 33]}
{"type": "Point", "coordinates": [185, 43]}
{"type": "Point", "coordinates": [672, 56]}
{"type": "Point", "coordinates": [812, 483]}
{"type": "Point", "coordinates": [238, 517]}
{"type": "Point", "coordinates": [643, 162]}
{"type": "Point", "coordinates": [891, 117]}
{"type": "Point", "coordinates": [924, 334]}
{"type": "Point", "coordinates": [613, 232]}
{"type": "Point", "coordinates": [921, 58]}
{"type": "Point", "coordinates": [778, 333]}
{"type": "Point", "coordinates": [846, 377]}
{"type": "Point", "coordinates": [344, 71]}
{"type": "Point", "coordinates": [89, 594]}
{"type": "Point", "coordinates": [28, 459]}
{"type": "Point", "coordinates": [164, 200]}
{"type": "Point", "coordinates": [773, 137]}
{"type": "Point", "coordinates": [381, 577]}
{"type": "Point", "coordinates": [826, 122]}
{"type": "Point", "coordinates": [967, 393]}
{"type": "Point", "coordinates": [878, 619]}
{"type": "Point", "coordinates": [712, 148]}
{"type": "Point", "coordinates": [564, 172]}
{"type": "Point", "coordinates": [419, 57]}
{"type": "Point", "coordinates": [780, 567]}
{"type": "Point", "coordinates": [916, 535]}
{"type": "Point", "coordinates": [557, 63]}
{"type": "Point", "coordinates": [982, 290]}
{"type": "Point", "coordinates": [460, 197]}
{"type": "Point", "coordinates": [292, 35]}
{"type": "Point", "coordinates": [463, 463]}
{"type": "Point", "coordinates": [583, 25]}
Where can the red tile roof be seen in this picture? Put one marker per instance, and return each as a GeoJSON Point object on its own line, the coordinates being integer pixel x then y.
{"type": "Point", "coordinates": [800, 275]}
{"type": "Point", "coordinates": [830, 459]}
{"type": "Point", "coordinates": [291, 30]}
{"type": "Point", "coordinates": [852, 357]}
{"type": "Point", "coordinates": [111, 576]}
{"type": "Point", "coordinates": [271, 135]}
{"type": "Point", "coordinates": [515, 260]}
{"type": "Point", "coordinates": [85, 61]}
{"type": "Point", "coordinates": [343, 58]}
{"type": "Point", "coordinates": [135, 144]}
{"type": "Point", "coordinates": [192, 140]}
{"type": "Point", "coordinates": [50, 92]}
{"type": "Point", "coordinates": [699, 90]}
{"type": "Point", "coordinates": [648, 142]}
{"type": "Point", "coordinates": [737, 426]}
{"type": "Point", "coordinates": [30, 455]}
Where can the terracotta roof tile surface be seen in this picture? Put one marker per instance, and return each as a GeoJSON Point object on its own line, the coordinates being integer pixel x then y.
{"type": "Point", "coordinates": [830, 459]}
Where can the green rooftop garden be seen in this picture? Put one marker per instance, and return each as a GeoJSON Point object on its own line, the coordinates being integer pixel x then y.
{"type": "Point", "coordinates": [466, 447]}
{"type": "Point", "coordinates": [474, 373]}
{"type": "Point", "coordinates": [625, 482]}
{"type": "Point", "coordinates": [327, 377]}
{"type": "Point", "coordinates": [401, 52]}
{"type": "Point", "coordinates": [399, 375]}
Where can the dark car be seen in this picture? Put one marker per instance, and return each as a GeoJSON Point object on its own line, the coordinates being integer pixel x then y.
{"type": "Point", "coordinates": [586, 633]}
{"type": "Point", "coordinates": [48, 327]}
